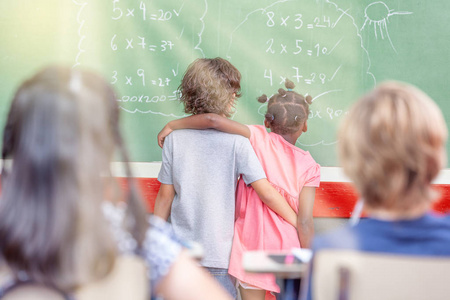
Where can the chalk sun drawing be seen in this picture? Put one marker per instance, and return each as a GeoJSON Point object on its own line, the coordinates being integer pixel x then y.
{"type": "Point", "coordinates": [352, 39]}
{"type": "Point", "coordinates": [377, 14]}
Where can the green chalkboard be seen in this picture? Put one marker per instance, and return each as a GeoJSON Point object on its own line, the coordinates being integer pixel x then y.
{"type": "Point", "coordinates": [332, 50]}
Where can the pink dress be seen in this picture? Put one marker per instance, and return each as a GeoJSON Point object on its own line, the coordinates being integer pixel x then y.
{"type": "Point", "coordinates": [257, 227]}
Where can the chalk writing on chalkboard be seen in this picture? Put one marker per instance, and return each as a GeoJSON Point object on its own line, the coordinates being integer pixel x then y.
{"type": "Point", "coordinates": [311, 52]}
{"type": "Point", "coordinates": [377, 14]}
{"type": "Point", "coordinates": [145, 46]}
{"type": "Point", "coordinates": [334, 50]}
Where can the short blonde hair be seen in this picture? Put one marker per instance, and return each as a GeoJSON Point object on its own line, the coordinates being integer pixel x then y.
{"type": "Point", "coordinates": [392, 145]}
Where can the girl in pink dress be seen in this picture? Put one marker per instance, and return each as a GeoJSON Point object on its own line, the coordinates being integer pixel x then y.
{"type": "Point", "coordinates": [291, 170]}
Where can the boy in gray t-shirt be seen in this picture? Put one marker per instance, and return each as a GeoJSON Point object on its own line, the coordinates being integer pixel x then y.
{"type": "Point", "coordinates": [204, 179]}
{"type": "Point", "coordinates": [200, 169]}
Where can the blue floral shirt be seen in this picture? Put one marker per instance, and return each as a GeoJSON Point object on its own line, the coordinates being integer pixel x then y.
{"type": "Point", "coordinates": [160, 248]}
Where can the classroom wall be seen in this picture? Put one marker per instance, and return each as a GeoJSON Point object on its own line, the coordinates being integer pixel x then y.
{"type": "Point", "coordinates": [333, 206]}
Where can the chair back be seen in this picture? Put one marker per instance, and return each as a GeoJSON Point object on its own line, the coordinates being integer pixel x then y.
{"type": "Point", "coordinates": [355, 275]}
{"type": "Point", "coordinates": [128, 280]}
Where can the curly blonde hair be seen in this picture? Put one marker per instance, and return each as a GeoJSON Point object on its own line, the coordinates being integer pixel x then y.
{"type": "Point", "coordinates": [210, 85]}
{"type": "Point", "coordinates": [392, 145]}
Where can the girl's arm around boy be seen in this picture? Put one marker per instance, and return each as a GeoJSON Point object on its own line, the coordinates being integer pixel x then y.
{"type": "Point", "coordinates": [266, 192]}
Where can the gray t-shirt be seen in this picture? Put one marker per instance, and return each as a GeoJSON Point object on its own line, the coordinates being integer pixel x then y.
{"type": "Point", "coordinates": [203, 166]}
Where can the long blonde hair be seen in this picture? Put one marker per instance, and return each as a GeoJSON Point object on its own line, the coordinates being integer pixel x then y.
{"type": "Point", "coordinates": [61, 134]}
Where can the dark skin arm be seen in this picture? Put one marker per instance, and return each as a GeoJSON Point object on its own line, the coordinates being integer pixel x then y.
{"type": "Point", "coordinates": [270, 196]}
{"type": "Point", "coordinates": [305, 222]}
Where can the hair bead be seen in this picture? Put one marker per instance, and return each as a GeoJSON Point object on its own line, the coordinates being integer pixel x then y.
{"type": "Point", "coordinates": [308, 100]}
{"type": "Point", "coordinates": [289, 84]}
{"type": "Point", "coordinates": [263, 98]}
{"type": "Point", "coordinates": [282, 92]}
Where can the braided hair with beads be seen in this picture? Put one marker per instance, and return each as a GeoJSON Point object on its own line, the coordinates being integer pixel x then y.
{"type": "Point", "coordinates": [287, 110]}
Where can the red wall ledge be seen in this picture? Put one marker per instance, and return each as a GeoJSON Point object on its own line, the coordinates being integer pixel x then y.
{"type": "Point", "coordinates": [333, 199]}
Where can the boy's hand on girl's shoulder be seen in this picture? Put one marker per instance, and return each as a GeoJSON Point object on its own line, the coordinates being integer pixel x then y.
{"type": "Point", "coordinates": [162, 135]}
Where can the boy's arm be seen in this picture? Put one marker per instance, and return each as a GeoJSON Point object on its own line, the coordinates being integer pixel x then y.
{"type": "Point", "coordinates": [163, 202]}
{"type": "Point", "coordinates": [305, 222]}
{"type": "Point", "coordinates": [270, 196]}
{"type": "Point", "coordinates": [204, 121]}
